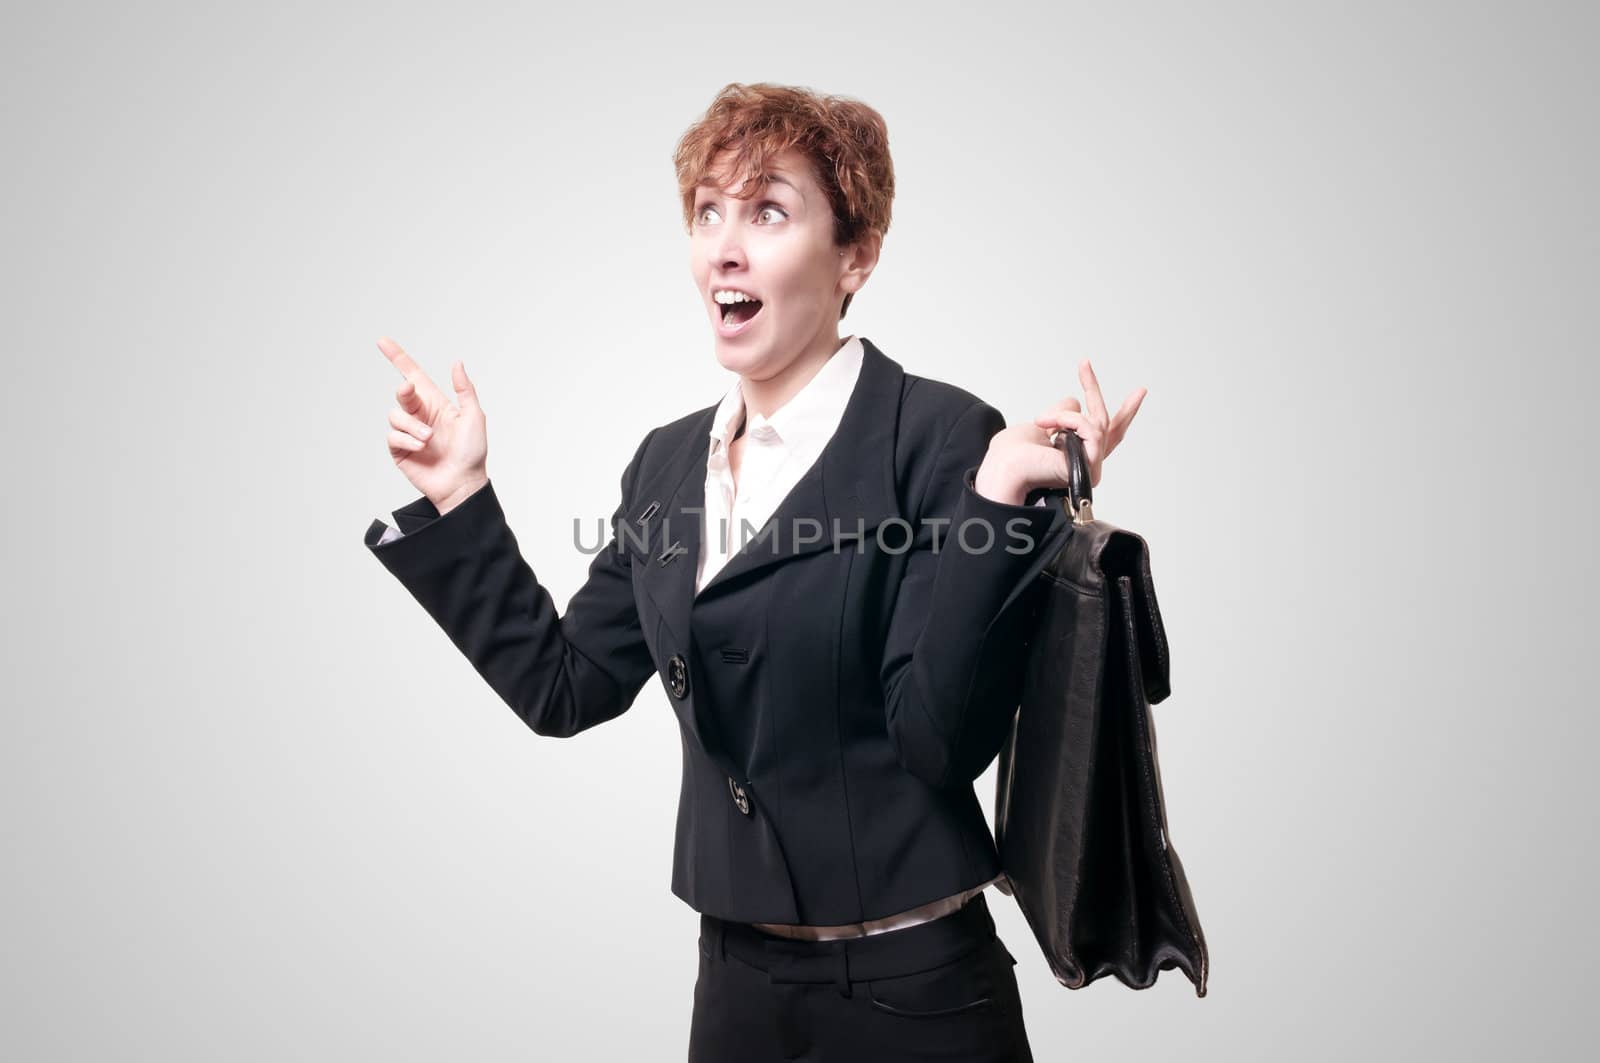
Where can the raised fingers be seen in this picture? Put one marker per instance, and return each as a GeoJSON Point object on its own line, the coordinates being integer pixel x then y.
{"type": "Point", "coordinates": [1091, 391]}
{"type": "Point", "coordinates": [1124, 416]}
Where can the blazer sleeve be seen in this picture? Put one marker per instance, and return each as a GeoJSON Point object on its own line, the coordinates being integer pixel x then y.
{"type": "Point", "coordinates": [952, 666]}
{"type": "Point", "coordinates": [560, 673]}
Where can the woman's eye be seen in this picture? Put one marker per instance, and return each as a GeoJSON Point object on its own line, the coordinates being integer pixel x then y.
{"type": "Point", "coordinates": [702, 212]}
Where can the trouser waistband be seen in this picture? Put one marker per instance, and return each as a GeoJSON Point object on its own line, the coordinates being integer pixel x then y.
{"type": "Point", "coordinates": [845, 960]}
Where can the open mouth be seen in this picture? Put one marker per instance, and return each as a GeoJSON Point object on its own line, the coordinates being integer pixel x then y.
{"type": "Point", "coordinates": [736, 314]}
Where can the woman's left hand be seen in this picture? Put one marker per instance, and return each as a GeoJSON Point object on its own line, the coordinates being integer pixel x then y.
{"type": "Point", "coordinates": [1021, 457]}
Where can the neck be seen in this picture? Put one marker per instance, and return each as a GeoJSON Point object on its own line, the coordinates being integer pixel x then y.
{"type": "Point", "coordinates": [767, 395]}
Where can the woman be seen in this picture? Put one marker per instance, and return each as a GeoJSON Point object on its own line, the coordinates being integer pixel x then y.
{"type": "Point", "coordinates": [841, 678]}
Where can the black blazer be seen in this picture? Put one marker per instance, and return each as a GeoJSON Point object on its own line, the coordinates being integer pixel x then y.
{"type": "Point", "coordinates": [836, 696]}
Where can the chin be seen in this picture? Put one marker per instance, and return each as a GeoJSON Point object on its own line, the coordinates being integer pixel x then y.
{"type": "Point", "coordinates": [756, 357]}
{"type": "Point", "coordinates": [737, 359]}
{"type": "Point", "coordinates": [744, 353]}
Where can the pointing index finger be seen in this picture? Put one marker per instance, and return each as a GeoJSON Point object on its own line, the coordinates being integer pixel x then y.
{"type": "Point", "coordinates": [422, 388]}
{"type": "Point", "coordinates": [398, 358]}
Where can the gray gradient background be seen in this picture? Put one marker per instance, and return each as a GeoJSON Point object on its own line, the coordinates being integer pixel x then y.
{"type": "Point", "coordinates": [257, 807]}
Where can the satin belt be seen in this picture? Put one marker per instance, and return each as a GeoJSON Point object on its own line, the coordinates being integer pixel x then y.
{"type": "Point", "coordinates": [910, 917]}
{"type": "Point", "coordinates": [912, 949]}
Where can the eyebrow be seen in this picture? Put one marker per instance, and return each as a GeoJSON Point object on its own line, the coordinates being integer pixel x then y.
{"type": "Point", "coordinates": [771, 178]}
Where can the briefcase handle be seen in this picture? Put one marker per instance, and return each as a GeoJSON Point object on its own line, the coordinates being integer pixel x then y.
{"type": "Point", "coordinates": [1076, 498]}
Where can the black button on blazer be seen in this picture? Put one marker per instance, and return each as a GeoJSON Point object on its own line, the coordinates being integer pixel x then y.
{"type": "Point", "coordinates": [838, 684]}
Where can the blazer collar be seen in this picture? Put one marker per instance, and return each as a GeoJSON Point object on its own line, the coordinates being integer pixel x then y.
{"type": "Point", "coordinates": [850, 482]}
{"type": "Point", "coordinates": [806, 422]}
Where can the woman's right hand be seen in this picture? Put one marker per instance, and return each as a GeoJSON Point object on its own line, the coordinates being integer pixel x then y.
{"type": "Point", "coordinates": [442, 450]}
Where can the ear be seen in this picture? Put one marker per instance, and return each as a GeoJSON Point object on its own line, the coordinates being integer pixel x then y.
{"type": "Point", "coordinates": [857, 262]}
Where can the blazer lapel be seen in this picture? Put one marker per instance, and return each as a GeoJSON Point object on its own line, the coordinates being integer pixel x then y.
{"type": "Point", "coordinates": [851, 482]}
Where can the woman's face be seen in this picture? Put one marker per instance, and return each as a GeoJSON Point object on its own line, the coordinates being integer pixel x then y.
{"type": "Point", "coordinates": [777, 247]}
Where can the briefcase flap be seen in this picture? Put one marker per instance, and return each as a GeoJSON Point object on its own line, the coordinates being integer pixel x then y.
{"type": "Point", "coordinates": [1094, 557]}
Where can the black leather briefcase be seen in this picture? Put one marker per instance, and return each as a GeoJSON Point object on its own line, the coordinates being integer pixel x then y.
{"type": "Point", "coordinates": [1080, 817]}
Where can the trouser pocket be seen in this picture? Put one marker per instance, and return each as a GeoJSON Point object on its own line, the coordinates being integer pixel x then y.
{"type": "Point", "coordinates": [963, 985]}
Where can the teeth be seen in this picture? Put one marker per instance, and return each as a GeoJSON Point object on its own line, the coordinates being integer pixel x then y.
{"type": "Point", "coordinates": [728, 297]}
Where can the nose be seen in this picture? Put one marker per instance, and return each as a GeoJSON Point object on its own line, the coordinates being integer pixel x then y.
{"type": "Point", "coordinates": [726, 250]}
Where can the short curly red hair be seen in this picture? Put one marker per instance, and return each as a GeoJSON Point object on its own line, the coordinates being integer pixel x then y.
{"type": "Point", "coordinates": [846, 142]}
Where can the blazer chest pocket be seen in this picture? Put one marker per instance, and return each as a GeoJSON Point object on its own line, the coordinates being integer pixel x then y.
{"type": "Point", "coordinates": [637, 538]}
{"type": "Point", "coordinates": [639, 534]}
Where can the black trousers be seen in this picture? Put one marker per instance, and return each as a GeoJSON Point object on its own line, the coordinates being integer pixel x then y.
{"type": "Point", "coordinates": [944, 989]}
